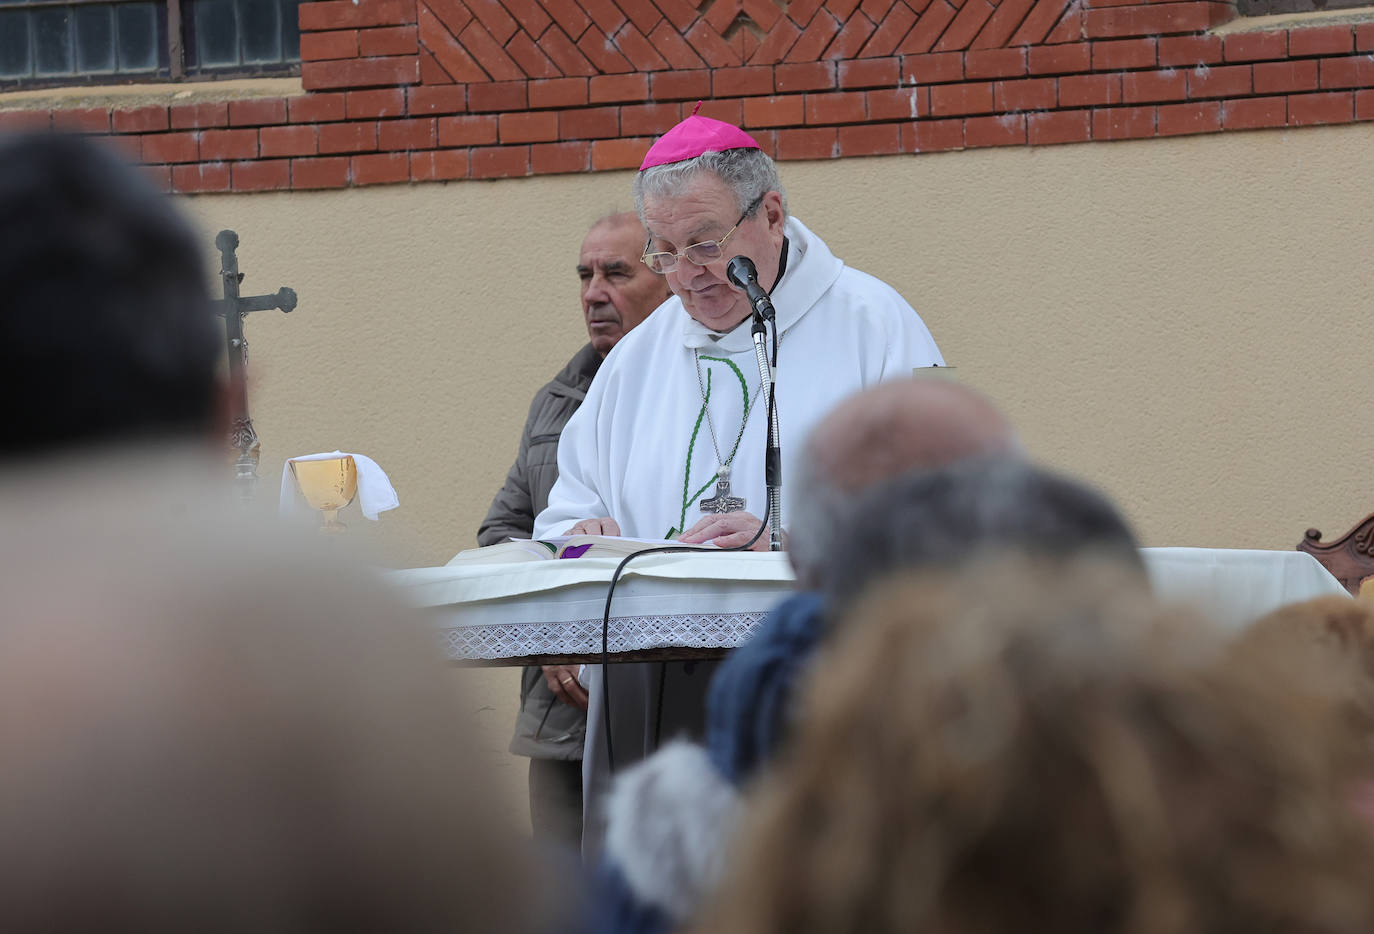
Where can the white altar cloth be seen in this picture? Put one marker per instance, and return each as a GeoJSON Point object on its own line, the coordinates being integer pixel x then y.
{"type": "Point", "coordinates": [714, 601]}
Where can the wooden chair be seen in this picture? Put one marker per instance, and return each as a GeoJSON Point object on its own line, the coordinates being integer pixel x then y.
{"type": "Point", "coordinates": [1350, 558]}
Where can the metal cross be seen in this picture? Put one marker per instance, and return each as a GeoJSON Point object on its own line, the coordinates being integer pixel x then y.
{"type": "Point", "coordinates": [242, 438]}
{"type": "Point", "coordinates": [722, 502]}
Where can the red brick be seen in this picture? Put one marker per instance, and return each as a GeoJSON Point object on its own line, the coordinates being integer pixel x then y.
{"type": "Point", "coordinates": [1253, 113]}
{"type": "Point", "coordinates": [1003, 22]}
{"type": "Point", "coordinates": [159, 175]}
{"type": "Point", "coordinates": [933, 69]}
{"type": "Point", "coordinates": [1059, 59]}
{"type": "Point", "coordinates": [437, 100]}
{"type": "Point", "coordinates": [438, 166]}
{"type": "Point", "coordinates": [344, 14]}
{"type": "Point", "coordinates": [1180, 119]}
{"type": "Point", "coordinates": [474, 130]}
{"type": "Point", "coordinates": [680, 85]}
{"type": "Point", "coordinates": [810, 76]}
{"type": "Point", "coordinates": [1283, 77]}
{"type": "Point", "coordinates": [814, 38]}
{"type": "Point", "coordinates": [1189, 50]}
{"type": "Point", "coordinates": [1124, 123]}
{"type": "Point", "coordinates": [389, 40]}
{"type": "Point", "coordinates": [440, 41]}
{"type": "Point", "coordinates": [260, 176]}
{"type": "Point", "coordinates": [650, 119]}
{"type": "Point", "coordinates": [1311, 109]}
{"type": "Point", "coordinates": [742, 82]}
{"type": "Point", "coordinates": [591, 123]}
{"type": "Point", "coordinates": [536, 127]}
{"type": "Point", "coordinates": [257, 112]}
{"type": "Point", "coordinates": [995, 63]}
{"type": "Point", "coordinates": [870, 73]}
{"type": "Point", "coordinates": [816, 143]}
{"type": "Point", "coordinates": [1255, 46]}
{"type": "Point", "coordinates": [1027, 94]}
{"type": "Point", "coordinates": [712, 49]}
{"type": "Point", "coordinates": [405, 134]}
{"type": "Point", "coordinates": [316, 108]}
{"type": "Point", "coordinates": [23, 121]}
{"type": "Point", "coordinates": [619, 153]}
{"type": "Point", "coordinates": [1145, 87]}
{"type": "Point", "coordinates": [668, 42]}
{"type": "Point", "coordinates": [950, 100]}
{"type": "Point", "coordinates": [380, 168]}
{"type": "Point", "coordinates": [892, 30]}
{"type": "Point", "coordinates": [1002, 130]}
{"type": "Point", "coordinates": [348, 137]}
{"type": "Point", "coordinates": [1364, 105]}
{"type": "Point", "coordinates": [431, 72]}
{"type": "Point", "coordinates": [1364, 37]}
{"type": "Point", "coordinates": [1353, 72]}
{"type": "Point", "coordinates": [82, 120]}
{"type": "Point", "coordinates": [729, 110]}
{"type": "Point", "coordinates": [1070, 27]}
{"type": "Point", "coordinates": [558, 92]}
{"type": "Point", "coordinates": [201, 177]}
{"type": "Point", "coordinates": [320, 173]}
{"type": "Point", "coordinates": [1115, 55]}
{"type": "Point", "coordinates": [1153, 19]}
{"type": "Point", "coordinates": [371, 105]}
{"type": "Point", "coordinates": [296, 140]}
{"type": "Point", "coordinates": [788, 110]}
{"type": "Point", "coordinates": [490, 53]}
{"type": "Point", "coordinates": [933, 136]}
{"type": "Point", "coordinates": [839, 107]}
{"type": "Point", "coordinates": [217, 145]}
{"type": "Point", "coordinates": [1089, 90]}
{"type": "Point", "coordinates": [852, 37]}
{"type": "Point", "coordinates": [776, 44]}
{"type": "Point", "coordinates": [361, 73]}
{"type": "Point", "coordinates": [1061, 126]}
{"type": "Point", "coordinates": [555, 158]}
{"type": "Point", "coordinates": [176, 147]}
{"type": "Point", "coordinates": [1223, 81]}
{"type": "Point", "coordinates": [324, 46]}
{"type": "Point", "coordinates": [499, 96]}
{"type": "Point", "coordinates": [128, 148]}
{"type": "Point", "coordinates": [874, 139]}
{"type": "Point", "coordinates": [200, 116]}
{"type": "Point", "coordinates": [139, 120]}
{"type": "Point", "coordinates": [605, 89]}
{"type": "Point", "coordinates": [1041, 19]}
{"type": "Point", "coordinates": [964, 27]}
{"type": "Point", "coordinates": [1321, 40]}
{"type": "Point", "coordinates": [636, 47]}
{"type": "Point", "coordinates": [531, 59]}
{"type": "Point", "coordinates": [500, 162]}
{"type": "Point", "coordinates": [907, 103]}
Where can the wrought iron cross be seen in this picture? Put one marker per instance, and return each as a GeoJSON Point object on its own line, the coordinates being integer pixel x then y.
{"type": "Point", "coordinates": [242, 438]}
{"type": "Point", "coordinates": [722, 502]}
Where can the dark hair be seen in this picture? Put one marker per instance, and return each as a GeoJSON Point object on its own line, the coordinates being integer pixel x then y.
{"type": "Point", "coordinates": [945, 517]}
{"type": "Point", "coordinates": [106, 332]}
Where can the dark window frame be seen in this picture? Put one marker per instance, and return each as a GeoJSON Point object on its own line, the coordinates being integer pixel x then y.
{"type": "Point", "coordinates": [1271, 7]}
{"type": "Point", "coordinates": [176, 70]}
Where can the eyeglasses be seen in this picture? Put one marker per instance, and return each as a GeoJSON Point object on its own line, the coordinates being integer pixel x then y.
{"type": "Point", "coordinates": [698, 254]}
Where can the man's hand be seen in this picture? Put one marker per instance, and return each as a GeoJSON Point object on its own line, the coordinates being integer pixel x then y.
{"type": "Point", "coordinates": [728, 530]}
{"type": "Point", "coordinates": [602, 526]}
{"type": "Point", "coordinates": [562, 680]}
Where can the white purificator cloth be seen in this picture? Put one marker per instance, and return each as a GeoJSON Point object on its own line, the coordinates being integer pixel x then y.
{"type": "Point", "coordinates": [375, 493]}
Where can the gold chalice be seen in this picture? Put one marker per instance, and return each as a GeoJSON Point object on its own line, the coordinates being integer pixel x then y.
{"type": "Point", "coordinates": [327, 485]}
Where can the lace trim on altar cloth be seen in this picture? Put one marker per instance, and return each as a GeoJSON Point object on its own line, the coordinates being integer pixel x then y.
{"type": "Point", "coordinates": [583, 636]}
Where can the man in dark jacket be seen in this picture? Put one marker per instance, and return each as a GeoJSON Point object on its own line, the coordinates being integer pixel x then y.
{"type": "Point", "coordinates": [618, 292]}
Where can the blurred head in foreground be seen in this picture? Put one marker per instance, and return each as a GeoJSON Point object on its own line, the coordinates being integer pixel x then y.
{"type": "Point", "coordinates": [201, 731]}
{"type": "Point", "coordinates": [1032, 748]}
{"type": "Point", "coordinates": [106, 333]}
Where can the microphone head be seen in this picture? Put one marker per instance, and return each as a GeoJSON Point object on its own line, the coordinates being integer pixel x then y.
{"type": "Point", "coordinates": [741, 272]}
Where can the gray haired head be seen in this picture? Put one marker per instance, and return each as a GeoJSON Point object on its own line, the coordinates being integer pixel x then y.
{"type": "Point", "coordinates": [946, 517]}
{"type": "Point", "coordinates": [749, 173]}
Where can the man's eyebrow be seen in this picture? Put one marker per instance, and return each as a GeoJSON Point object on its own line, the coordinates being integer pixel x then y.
{"type": "Point", "coordinates": [615, 265]}
{"type": "Point", "coordinates": [583, 270]}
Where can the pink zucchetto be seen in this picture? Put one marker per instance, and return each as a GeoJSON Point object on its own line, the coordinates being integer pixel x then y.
{"type": "Point", "coordinates": [694, 136]}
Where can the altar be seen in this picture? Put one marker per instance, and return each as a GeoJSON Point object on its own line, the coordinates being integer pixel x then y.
{"type": "Point", "coordinates": [702, 605]}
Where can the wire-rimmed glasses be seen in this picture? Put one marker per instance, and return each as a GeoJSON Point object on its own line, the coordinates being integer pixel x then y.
{"type": "Point", "coordinates": [698, 254]}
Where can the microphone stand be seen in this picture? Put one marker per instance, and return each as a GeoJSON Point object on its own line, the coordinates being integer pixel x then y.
{"type": "Point", "coordinates": [772, 470]}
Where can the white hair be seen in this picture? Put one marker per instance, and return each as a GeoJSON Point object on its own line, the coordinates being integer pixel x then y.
{"type": "Point", "coordinates": [749, 173]}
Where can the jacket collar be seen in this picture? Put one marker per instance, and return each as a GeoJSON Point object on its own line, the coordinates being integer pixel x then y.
{"type": "Point", "coordinates": [575, 378]}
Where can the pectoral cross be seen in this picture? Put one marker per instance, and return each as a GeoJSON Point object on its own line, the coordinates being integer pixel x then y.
{"type": "Point", "coordinates": [242, 437]}
{"type": "Point", "coordinates": [722, 502]}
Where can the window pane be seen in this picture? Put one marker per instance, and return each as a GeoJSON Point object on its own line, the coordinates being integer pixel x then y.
{"type": "Point", "coordinates": [15, 61]}
{"type": "Point", "coordinates": [261, 38]}
{"type": "Point", "coordinates": [290, 30]}
{"type": "Point", "coordinates": [138, 37]}
{"type": "Point", "coordinates": [52, 33]}
{"type": "Point", "coordinates": [95, 49]}
{"type": "Point", "coordinates": [216, 30]}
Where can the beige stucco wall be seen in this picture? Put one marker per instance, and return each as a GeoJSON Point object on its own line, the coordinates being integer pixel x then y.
{"type": "Point", "coordinates": [1186, 323]}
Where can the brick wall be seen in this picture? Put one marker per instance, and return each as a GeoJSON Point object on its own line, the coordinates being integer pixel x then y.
{"type": "Point", "coordinates": [419, 90]}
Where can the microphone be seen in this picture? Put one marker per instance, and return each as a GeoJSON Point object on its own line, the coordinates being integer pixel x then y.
{"type": "Point", "coordinates": [745, 277]}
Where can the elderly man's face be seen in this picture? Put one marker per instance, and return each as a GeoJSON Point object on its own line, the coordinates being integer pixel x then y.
{"type": "Point", "coordinates": [618, 291]}
{"type": "Point", "coordinates": [706, 211]}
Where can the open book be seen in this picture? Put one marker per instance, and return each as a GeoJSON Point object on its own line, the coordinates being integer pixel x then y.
{"type": "Point", "coordinates": [562, 546]}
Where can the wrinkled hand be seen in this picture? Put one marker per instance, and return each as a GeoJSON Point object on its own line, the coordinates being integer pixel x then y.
{"type": "Point", "coordinates": [602, 526]}
{"type": "Point", "coordinates": [562, 680]}
{"type": "Point", "coordinates": [728, 530]}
